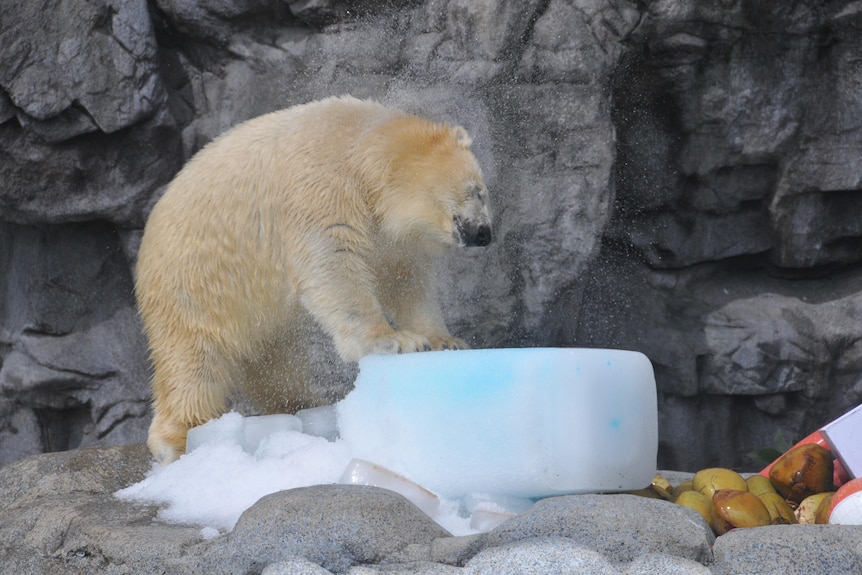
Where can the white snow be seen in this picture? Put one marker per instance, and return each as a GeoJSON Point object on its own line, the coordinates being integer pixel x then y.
{"type": "Point", "coordinates": [215, 482]}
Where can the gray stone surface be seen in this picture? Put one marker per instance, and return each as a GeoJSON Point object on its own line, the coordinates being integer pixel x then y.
{"type": "Point", "coordinates": [552, 555]}
{"type": "Point", "coordinates": [295, 566]}
{"type": "Point", "coordinates": [59, 515]}
{"type": "Point", "coordinates": [790, 550]}
{"type": "Point", "coordinates": [621, 527]}
{"type": "Point", "coordinates": [658, 169]}
{"type": "Point", "coordinates": [664, 564]}
{"type": "Point", "coordinates": [335, 526]}
{"type": "Point", "coordinates": [457, 550]}
{"type": "Point", "coordinates": [415, 568]}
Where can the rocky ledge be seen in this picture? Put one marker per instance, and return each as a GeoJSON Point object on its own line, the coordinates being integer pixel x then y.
{"type": "Point", "coordinates": [59, 515]}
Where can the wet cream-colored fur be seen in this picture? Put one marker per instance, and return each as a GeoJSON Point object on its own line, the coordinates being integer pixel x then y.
{"type": "Point", "coordinates": [330, 210]}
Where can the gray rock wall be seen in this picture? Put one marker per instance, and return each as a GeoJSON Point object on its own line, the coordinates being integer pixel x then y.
{"type": "Point", "coordinates": [676, 177]}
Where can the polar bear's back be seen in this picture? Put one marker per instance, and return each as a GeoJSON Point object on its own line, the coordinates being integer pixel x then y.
{"type": "Point", "coordinates": [260, 188]}
{"type": "Point", "coordinates": [310, 139]}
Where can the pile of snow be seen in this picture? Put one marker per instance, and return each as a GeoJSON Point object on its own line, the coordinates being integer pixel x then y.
{"type": "Point", "coordinates": [232, 463]}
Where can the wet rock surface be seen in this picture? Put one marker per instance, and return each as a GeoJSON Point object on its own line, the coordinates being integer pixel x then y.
{"type": "Point", "coordinates": [58, 515]}
{"type": "Point", "coordinates": [679, 178]}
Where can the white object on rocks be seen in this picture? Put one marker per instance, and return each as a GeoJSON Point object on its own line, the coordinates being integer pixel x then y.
{"type": "Point", "coordinates": [487, 511]}
{"type": "Point", "coordinates": [246, 431]}
{"type": "Point", "coordinates": [320, 421]}
{"type": "Point", "coordinates": [483, 520]}
{"type": "Point", "coordinates": [262, 426]}
{"type": "Point", "coordinates": [521, 422]}
{"type": "Point", "coordinates": [361, 472]}
{"type": "Point", "coordinates": [844, 436]}
{"type": "Point", "coordinates": [846, 506]}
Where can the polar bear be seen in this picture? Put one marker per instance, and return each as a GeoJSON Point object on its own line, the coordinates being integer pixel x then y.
{"type": "Point", "coordinates": [330, 211]}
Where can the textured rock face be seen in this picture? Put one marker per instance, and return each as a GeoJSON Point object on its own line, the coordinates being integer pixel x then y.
{"type": "Point", "coordinates": [71, 68]}
{"type": "Point", "coordinates": [737, 187]}
{"type": "Point", "coordinates": [680, 178]}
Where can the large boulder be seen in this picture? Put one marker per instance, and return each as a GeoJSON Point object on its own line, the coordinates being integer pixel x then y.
{"type": "Point", "coordinates": [335, 526]}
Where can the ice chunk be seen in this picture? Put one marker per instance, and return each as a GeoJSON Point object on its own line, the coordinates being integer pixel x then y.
{"type": "Point", "coordinates": [320, 421]}
{"type": "Point", "coordinates": [361, 472]}
{"type": "Point", "coordinates": [483, 519]}
{"type": "Point", "coordinates": [487, 511]}
{"type": "Point", "coordinates": [246, 431]}
{"type": "Point", "coordinates": [228, 428]}
{"type": "Point", "coordinates": [260, 427]}
{"type": "Point", "coordinates": [520, 422]}
{"type": "Point", "coordinates": [500, 503]}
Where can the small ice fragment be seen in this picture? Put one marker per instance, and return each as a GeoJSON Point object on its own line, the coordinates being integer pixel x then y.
{"type": "Point", "coordinates": [228, 427]}
{"type": "Point", "coordinates": [487, 510]}
{"type": "Point", "coordinates": [496, 502]}
{"type": "Point", "coordinates": [486, 519]}
{"type": "Point", "coordinates": [320, 421]}
{"type": "Point", "coordinates": [259, 427]}
{"type": "Point", "coordinates": [360, 472]}
{"type": "Point", "coordinates": [210, 532]}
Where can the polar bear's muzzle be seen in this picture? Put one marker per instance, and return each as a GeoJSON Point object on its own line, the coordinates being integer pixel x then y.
{"type": "Point", "coordinates": [473, 234]}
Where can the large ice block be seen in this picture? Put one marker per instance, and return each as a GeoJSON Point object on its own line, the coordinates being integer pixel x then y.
{"type": "Point", "coordinates": [521, 422]}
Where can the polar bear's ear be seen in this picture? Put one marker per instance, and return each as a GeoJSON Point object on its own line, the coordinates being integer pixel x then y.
{"type": "Point", "coordinates": [463, 137]}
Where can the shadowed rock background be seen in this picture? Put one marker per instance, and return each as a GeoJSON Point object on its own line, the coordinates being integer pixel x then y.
{"type": "Point", "coordinates": [678, 177]}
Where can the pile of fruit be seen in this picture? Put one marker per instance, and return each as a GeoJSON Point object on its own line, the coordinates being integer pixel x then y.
{"type": "Point", "coordinates": [799, 487]}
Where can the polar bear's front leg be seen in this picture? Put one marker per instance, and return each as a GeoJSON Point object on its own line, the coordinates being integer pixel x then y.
{"type": "Point", "coordinates": [413, 305]}
{"type": "Point", "coordinates": [358, 331]}
{"type": "Point", "coordinates": [342, 297]}
{"type": "Point", "coordinates": [380, 339]}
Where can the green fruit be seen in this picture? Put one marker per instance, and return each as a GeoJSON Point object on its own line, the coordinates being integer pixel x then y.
{"type": "Point", "coordinates": [735, 508]}
{"type": "Point", "coordinates": [697, 501]}
{"type": "Point", "coordinates": [684, 486]}
{"type": "Point", "coordinates": [713, 479]}
{"type": "Point", "coordinates": [779, 511]}
{"type": "Point", "coordinates": [758, 485]}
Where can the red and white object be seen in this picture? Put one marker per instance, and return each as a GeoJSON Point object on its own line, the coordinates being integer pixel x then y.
{"type": "Point", "coordinates": [846, 507]}
{"type": "Point", "coordinates": [844, 436]}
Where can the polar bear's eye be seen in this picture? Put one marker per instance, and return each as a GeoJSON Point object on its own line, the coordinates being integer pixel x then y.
{"type": "Point", "coordinates": [476, 191]}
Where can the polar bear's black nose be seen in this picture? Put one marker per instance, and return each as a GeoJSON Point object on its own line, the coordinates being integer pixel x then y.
{"type": "Point", "coordinates": [483, 236]}
{"type": "Point", "coordinates": [476, 235]}
{"type": "Point", "coordinates": [473, 234]}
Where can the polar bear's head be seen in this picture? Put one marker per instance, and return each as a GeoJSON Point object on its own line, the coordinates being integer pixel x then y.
{"type": "Point", "coordinates": [436, 193]}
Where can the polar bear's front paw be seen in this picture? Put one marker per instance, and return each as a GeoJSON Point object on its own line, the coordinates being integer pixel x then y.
{"type": "Point", "coordinates": [397, 342]}
{"type": "Point", "coordinates": [440, 342]}
{"type": "Point", "coordinates": [166, 439]}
